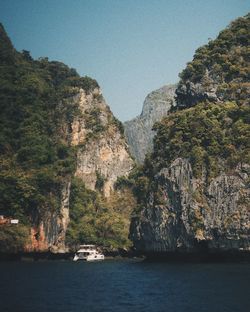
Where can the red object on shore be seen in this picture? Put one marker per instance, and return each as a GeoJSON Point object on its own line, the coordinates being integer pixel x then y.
{"type": "Point", "coordinates": [4, 220]}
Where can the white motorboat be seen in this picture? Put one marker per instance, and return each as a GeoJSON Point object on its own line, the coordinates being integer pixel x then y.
{"type": "Point", "coordinates": [88, 253]}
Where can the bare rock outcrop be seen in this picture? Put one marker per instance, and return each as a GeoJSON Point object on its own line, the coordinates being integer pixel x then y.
{"type": "Point", "coordinates": [102, 154]}
{"type": "Point", "coordinates": [184, 213]}
{"type": "Point", "coordinates": [138, 131]}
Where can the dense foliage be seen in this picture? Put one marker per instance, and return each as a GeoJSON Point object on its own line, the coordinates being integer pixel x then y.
{"type": "Point", "coordinates": [223, 63]}
{"type": "Point", "coordinates": [204, 134]}
{"type": "Point", "coordinates": [35, 117]}
{"type": "Point", "coordinates": [95, 219]}
{"type": "Point", "coordinates": [36, 158]}
{"type": "Point", "coordinates": [13, 238]}
{"type": "Point", "coordinates": [210, 133]}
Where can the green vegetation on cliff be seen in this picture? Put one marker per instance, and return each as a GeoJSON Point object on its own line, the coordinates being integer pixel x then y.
{"type": "Point", "coordinates": [212, 131]}
{"type": "Point", "coordinates": [219, 70]}
{"type": "Point", "coordinates": [204, 134]}
{"type": "Point", "coordinates": [38, 107]}
{"type": "Point", "coordinates": [13, 238]}
{"type": "Point", "coordinates": [209, 132]}
{"type": "Point", "coordinates": [211, 124]}
{"type": "Point", "coordinates": [35, 153]}
{"type": "Point", "coordinates": [193, 190]}
{"type": "Point", "coordinates": [95, 219]}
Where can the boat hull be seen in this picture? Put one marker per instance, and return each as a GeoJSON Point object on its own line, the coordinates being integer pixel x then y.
{"type": "Point", "coordinates": [89, 258]}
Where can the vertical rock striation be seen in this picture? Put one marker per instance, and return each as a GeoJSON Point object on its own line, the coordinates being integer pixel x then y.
{"type": "Point", "coordinates": [49, 229]}
{"type": "Point", "coordinates": [184, 213]}
{"type": "Point", "coordinates": [101, 154]}
{"type": "Point", "coordinates": [102, 150]}
{"type": "Point", "coordinates": [138, 131]}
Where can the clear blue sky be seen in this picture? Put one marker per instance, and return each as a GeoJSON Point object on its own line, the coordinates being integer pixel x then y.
{"type": "Point", "coordinates": [130, 47]}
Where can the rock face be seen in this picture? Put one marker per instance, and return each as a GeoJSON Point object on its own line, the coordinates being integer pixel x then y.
{"type": "Point", "coordinates": [185, 214]}
{"type": "Point", "coordinates": [49, 233]}
{"type": "Point", "coordinates": [102, 154]}
{"type": "Point", "coordinates": [138, 131]}
{"type": "Point", "coordinates": [62, 129]}
{"type": "Point", "coordinates": [186, 209]}
{"type": "Point", "coordinates": [190, 93]}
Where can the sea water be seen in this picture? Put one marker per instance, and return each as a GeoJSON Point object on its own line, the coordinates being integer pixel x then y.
{"type": "Point", "coordinates": [124, 285]}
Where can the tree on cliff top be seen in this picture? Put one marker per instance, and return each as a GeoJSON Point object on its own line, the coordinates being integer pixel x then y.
{"type": "Point", "coordinates": [220, 67]}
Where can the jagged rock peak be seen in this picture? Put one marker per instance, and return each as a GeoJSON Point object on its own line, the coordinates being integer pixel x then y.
{"type": "Point", "coordinates": [156, 101]}
{"type": "Point", "coordinates": [138, 131]}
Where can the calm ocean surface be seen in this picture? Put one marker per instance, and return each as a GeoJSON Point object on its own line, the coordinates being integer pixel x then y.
{"type": "Point", "coordinates": [123, 285]}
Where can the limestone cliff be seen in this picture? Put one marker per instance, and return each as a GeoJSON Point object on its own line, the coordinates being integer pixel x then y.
{"type": "Point", "coordinates": [193, 213]}
{"type": "Point", "coordinates": [55, 126]}
{"type": "Point", "coordinates": [49, 230]}
{"type": "Point", "coordinates": [193, 191]}
{"type": "Point", "coordinates": [138, 131]}
{"type": "Point", "coordinates": [102, 150]}
{"type": "Point", "coordinates": [101, 154]}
